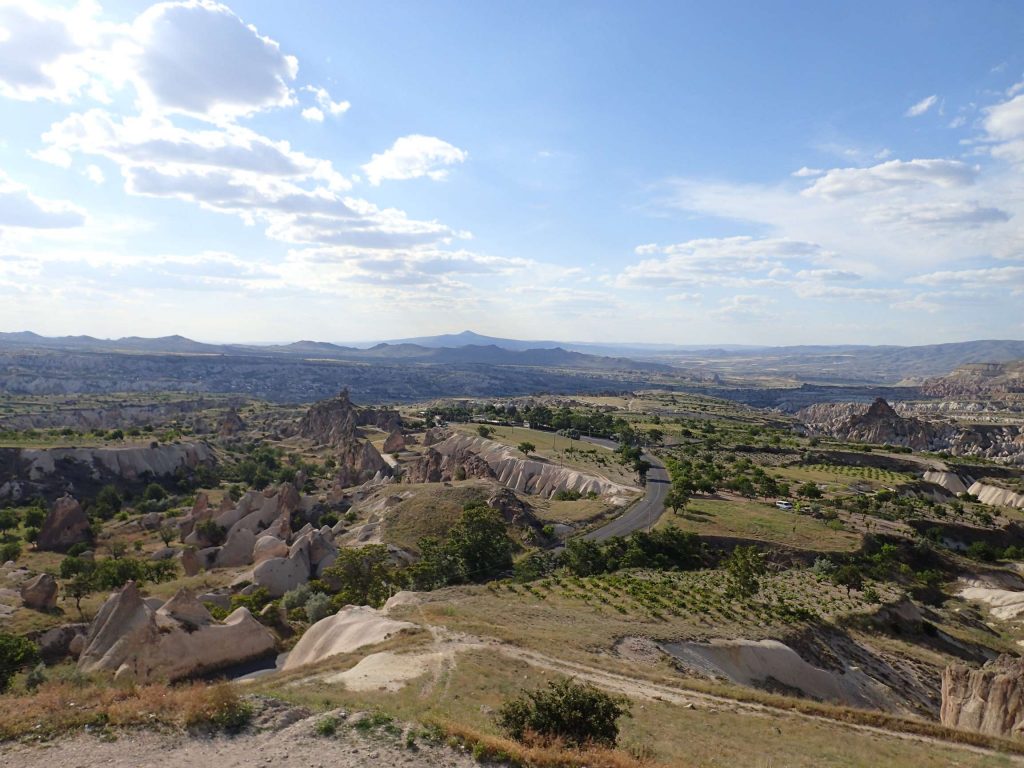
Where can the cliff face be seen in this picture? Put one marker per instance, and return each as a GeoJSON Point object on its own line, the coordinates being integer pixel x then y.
{"type": "Point", "coordinates": [980, 380]}
{"type": "Point", "coordinates": [335, 423]}
{"type": "Point", "coordinates": [881, 423]}
{"type": "Point", "coordinates": [479, 457]}
{"type": "Point", "coordinates": [878, 424]}
{"type": "Point", "coordinates": [51, 472]}
{"type": "Point", "coordinates": [989, 700]}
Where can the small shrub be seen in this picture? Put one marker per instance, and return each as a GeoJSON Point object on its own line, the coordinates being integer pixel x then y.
{"type": "Point", "coordinates": [296, 598]}
{"type": "Point", "coordinates": [220, 710]}
{"type": "Point", "coordinates": [318, 606]}
{"type": "Point", "coordinates": [326, 726]}
{"type": "Point", "coordinates": [578, 714]}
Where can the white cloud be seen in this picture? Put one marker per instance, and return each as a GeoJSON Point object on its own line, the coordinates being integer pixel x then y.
{"type": "Point", "coordinates": [1006, 120]}
{"type": "Point", "coordinates": [42, 53]}
{"type": "Point", "coordinates": [922, 106]}
{"type": "Point", "coordinates": [313, 114]}
{"type": "Point", "coordinates": [743, 308]}
{"type": "Point", "coordinates": [94, 173]}
{"type": "Point", "coordinates": [20, 208]}
{"type": "Point", "coordinates": [326, 103]}
{"type": "Point", "coordinates": [829, 275]}
{"type": "Point", "coordinates": [729, 261]}
{"type": "Point", "coordinates": [975, 279]}
{"type": "Point", "coordinates": [843, 182]}
{"type": "Point", "coordinates": [199, 58]}
{"type": "Point", "coordinates": [412, 157]}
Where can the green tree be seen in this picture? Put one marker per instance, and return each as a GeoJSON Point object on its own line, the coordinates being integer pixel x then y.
{"type": "Point", "coordinates": [483, 431]}
{"type": "Point", "coordinates": [167, 534]}
{"type": "Point", "coordinates": [848, 576]}
{"type": "Point", "coordinates": [362, 576]}
{"type": "Point", "coordinates": [107, 503]}
{"type": "Point", "coordinates": [809, 490]}
{"type": "Point", "coordinates": [576, 713]}
{"type": "Point", "coordinates": [16, 653]}
{"type": "Point", "coordinates": [744, 568]}
{"type": "Point", "coordinates": [8, 520]}
{"type": "Point", "coordinates": [154, 492]}
{"type": "Point", "coordinates": [480, 543]}
{"type": "Point", "coordinates": [527, 448]}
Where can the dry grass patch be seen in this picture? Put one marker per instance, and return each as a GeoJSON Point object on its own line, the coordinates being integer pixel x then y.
{"type": "Point", "coordinates": [536, 753]}
{"type": "Point", "coordinates": [60, 707]}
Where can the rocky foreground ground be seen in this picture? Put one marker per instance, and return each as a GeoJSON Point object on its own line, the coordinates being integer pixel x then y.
{"type": "Point", "coordinates": [280, 735]}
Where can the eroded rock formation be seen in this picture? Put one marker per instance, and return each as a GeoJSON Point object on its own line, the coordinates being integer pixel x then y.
{"type": "Point", "coordinates": [136, 643]}
{"type": "Point", "coordinates": [64, 526]}
{"type": "Point", "coordinates": [989, 700]}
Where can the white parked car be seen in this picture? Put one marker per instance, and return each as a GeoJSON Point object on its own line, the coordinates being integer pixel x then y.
{"type": "Point", "coordinates": [783, 505]}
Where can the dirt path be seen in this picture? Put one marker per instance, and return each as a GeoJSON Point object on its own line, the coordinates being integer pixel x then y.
{"type": "Point", "coordinates": [293, 745]}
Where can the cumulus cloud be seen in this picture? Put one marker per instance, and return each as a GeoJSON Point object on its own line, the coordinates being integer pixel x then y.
{"type": "Point", "coordinates": [918, 109]}
{"type": "Point", "coordinates": [313, 114]}
{"type": "Point", "coordinates": [20, 208]}
{"type": "Point", "coordinates": [412, 157]}
{"type": "Point", "coordinates": [198, 57]}
{"type": "Point", "coordinates": [325, 102]}
{"type": "Point", "coordinates": [843, 182]}
{"type": "Point", "coordinates": [41, 53]}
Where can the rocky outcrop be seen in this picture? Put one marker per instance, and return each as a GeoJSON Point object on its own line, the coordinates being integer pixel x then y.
{"type": "Point", "coordinates": [395, 442]}
{"type": "Point", "coordinates": [435, 435]}
{"type": "Point", "coordinates": [358, 463]}
{"type": "Point", "coordinates": [882, 425]}
{"type": "Point", "coordinates": [989, 700]}
{"type": "Point", "coordinates": [40, 592]}
{"type": "Point", "coordinates": [436, 467]}
{"type": "Point", "coordinates": [83, 471]}
{"type": "Point", "coordinates": [979, 380]}
{"type": "Point", "coordinates": [64, 526]}
{"type": "Point", "coordinates": [988, 493]}
{"type": "Point", "coordinates": [135, 643]}
{"type": "Point", "coordinates": [230, 425]}
{"type": "Point", "coordinates": [513, 510]}
{"type": "Point", "coordinates": [950, 481]}
{"type": "Point", "coordinates": [56, 644]}
{"type": "Point", "coordinates": [349, 629]}
{"type": "Point", "coordinates": [507, 466]}
{"type": "Point", "coordinates": [336, 423]}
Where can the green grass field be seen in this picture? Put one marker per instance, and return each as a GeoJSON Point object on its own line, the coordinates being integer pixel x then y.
{"type": "Point", "coordinates": [751, 519]}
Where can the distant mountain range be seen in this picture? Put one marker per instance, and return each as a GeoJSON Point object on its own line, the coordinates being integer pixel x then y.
{"type": "Point", "coordinates": [845, 364]}
{"type": "Point", "coordinates": [396, 352]}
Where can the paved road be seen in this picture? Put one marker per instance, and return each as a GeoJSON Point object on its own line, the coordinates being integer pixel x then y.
{"type": "Point", "coordinates": [644, 512]}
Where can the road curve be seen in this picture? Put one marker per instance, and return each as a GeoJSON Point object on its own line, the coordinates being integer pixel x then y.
{"type": "Point", "coordinates": [643, 513]}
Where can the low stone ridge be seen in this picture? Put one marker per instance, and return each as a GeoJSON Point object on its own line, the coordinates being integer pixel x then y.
{"type": "Point", "coordinates": [989, 700]}
{"type": "Point", "coordinates": [503, 463]}
{"type": "Point", "coordinates": [52, 471]}
{"type": "Point", "coordinates": [64, 526]}
{"type": "Point", "coordinates": [136, 643]}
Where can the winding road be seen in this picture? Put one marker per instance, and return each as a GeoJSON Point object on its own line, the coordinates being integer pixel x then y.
{"type": "Point", "coordinates": [643, 513]}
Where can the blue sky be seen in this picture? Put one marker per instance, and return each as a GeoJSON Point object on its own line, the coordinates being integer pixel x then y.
{"type": "Point", "coordinates": [773, 173]}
